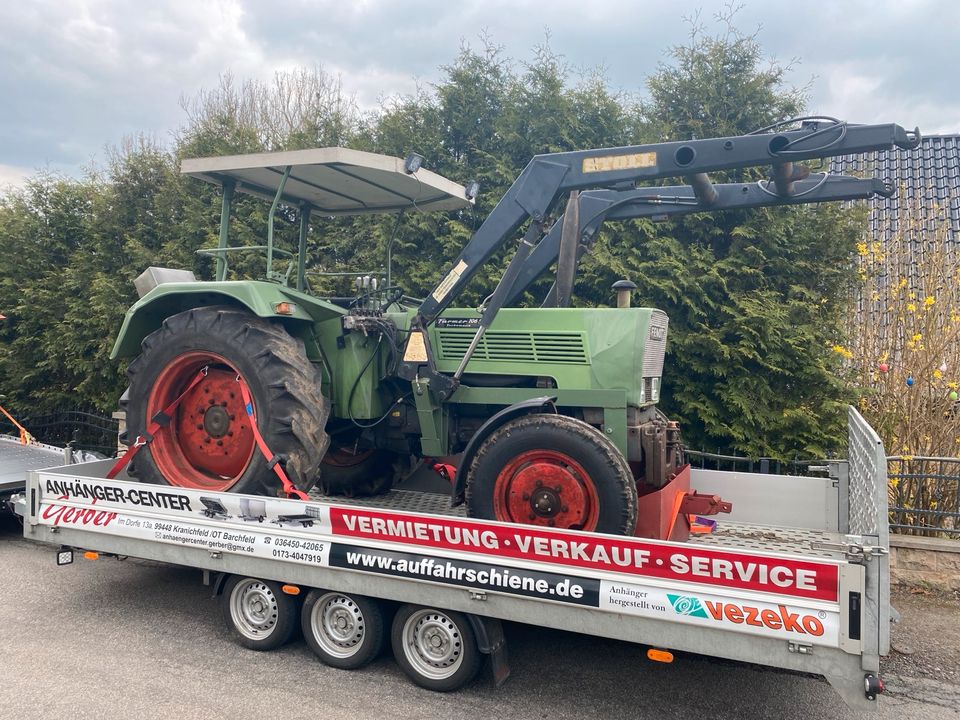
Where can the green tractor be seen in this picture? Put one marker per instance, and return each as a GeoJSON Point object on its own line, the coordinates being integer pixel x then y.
{"type": "Point", "coordinates": [265, 387]}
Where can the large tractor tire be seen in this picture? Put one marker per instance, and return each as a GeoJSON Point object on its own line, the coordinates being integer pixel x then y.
{"type": "Point", "coordinates": [209, 443]}
{"type": "Point", "coordinates": [555, 471]}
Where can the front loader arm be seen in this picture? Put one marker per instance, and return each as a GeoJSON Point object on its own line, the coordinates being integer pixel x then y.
{"type": "Point", "coordinates": [599, 206]}
{"type": "Point", "coordinates": [548, 176]}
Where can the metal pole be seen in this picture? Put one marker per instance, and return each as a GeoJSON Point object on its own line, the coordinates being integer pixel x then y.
{"type": "Point", "coordinates": [393, 236]}
{"type": "Point", "coordinates": [228, 187]}
{"type": "Point", "coordinates": [273, 211]}
{"type": "Point", "coordinates": [302, 249]}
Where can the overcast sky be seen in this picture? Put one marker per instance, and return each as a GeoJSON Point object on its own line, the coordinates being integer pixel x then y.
{"type": "Point", "coordinates": [76, 76]}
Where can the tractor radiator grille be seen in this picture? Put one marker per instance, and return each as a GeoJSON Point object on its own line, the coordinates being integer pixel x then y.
{"type": "Point", "coordinates": [655, 345]}
{"type": "Point", "coordinates": [547, 347]}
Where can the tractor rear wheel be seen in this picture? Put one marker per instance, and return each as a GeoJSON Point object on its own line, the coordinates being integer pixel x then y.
{"type": "Point", "coordinates": [351, 472]}
{"type": "Point", "coordinates": [209, 443]}
{"type": "Point", "coordinates": [555, 471]}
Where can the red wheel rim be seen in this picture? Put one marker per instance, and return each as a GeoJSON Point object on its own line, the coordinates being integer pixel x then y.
{"type": "Point", "coordinates": [546, 487]}
{"type": "Point", "coordinates": [209, 441]}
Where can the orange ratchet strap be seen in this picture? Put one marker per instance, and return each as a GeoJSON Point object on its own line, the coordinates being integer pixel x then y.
{"type": "Point", "coordinates": [157, 423]}
{"type": "Point", "coordinates": [273, 461]}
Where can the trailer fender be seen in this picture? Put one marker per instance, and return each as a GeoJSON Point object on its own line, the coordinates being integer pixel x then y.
{"type": "Point", "coordinates": [491, 641]}
{"type": "Point", "coordinates": [508, 413]}
{"type": "Point", "coordinates": [216, 581]}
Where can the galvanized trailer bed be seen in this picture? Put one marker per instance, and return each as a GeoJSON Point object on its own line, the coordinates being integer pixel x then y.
{"type": "Point", "coordinates": [812, 598]}
{"type": "Point", "coordinates": [16, 459]}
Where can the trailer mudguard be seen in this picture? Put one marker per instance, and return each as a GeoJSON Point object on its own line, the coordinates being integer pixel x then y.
{"type": "Point", "coordinates": [260, 298]}
{"type": "Point", "coordinates": [491, 641]}
{"type": "Point", "coordinates": [508, 413]}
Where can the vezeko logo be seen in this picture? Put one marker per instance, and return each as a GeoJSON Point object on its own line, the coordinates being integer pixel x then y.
{"type": "Point", "coordinates": [687, 605]}
{"type": "Point", "coordinates": [779, 619]}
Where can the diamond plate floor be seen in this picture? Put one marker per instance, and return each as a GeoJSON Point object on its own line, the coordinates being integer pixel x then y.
{"type": "Point", "coordinates": [17, 459]}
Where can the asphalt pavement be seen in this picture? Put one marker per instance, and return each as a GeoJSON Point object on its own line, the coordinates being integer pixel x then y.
{"type": "Point", "coordinates": [141, 640]}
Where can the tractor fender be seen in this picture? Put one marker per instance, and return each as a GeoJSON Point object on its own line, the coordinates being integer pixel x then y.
{"type": "Point", "coordinates": [260, 298]}
{"type": "Point", "coordinates": [508, 413]}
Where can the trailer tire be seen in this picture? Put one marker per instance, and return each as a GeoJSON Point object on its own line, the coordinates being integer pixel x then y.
{"type": "Point", "coordinates": [351, 474]}
{"type": "Point", "coordinates": [555, 471]}
{"type": "Point", "coordinates": [259, 614]}
{"type": "Point", "coordinates": [344, 631]}
{"type": "Point", "coordinates": [435, 648]}
{"type": "Point", "coordinates": [218, 452]}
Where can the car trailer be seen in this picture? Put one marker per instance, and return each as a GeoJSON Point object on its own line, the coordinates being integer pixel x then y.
{"type": "Point", "coordinates": [797, 578]}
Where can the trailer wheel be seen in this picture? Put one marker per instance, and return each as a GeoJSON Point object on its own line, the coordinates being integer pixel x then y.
{"type": "Point", "coordinates": [552, 470]}
{"type": "Point", "coordinates": [344, 631]}
{"type": "Point", "coordinates": [208, 443]}
{"type": "Point", "coordinates": [349, 472]}
{"type": "Point", "coordinates": [435, 648]}
{"type": "Point", "coordinates": [260, 615]}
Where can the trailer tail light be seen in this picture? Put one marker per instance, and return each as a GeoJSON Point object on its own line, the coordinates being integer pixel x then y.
{"type": "Point", "coordinates": [664, 656]}
{"type": "Point", "coordinates": [90, 555]}
{"type": "Point", "coordinates": [290, 589]}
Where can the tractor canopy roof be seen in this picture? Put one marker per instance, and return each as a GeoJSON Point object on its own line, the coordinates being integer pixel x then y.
{"type": "Point", "coordinates": [332, 181]}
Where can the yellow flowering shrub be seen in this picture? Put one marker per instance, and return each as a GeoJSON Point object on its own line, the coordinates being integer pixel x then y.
{"type": "Point", "coordinates": [905, 361]}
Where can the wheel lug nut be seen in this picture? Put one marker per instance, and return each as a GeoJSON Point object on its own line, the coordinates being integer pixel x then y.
{"type": "Point", "coordinates": [210, 401]}
{"type": "Point", "coordinates": [200, 426]}
{"type": "Point", "coordinates": [564, 508]}
{"type": "Point", "coordinates": [207, 440]}
{"type": "Point", "coordinates": [539, 483]}
{"type": "Point", "coordinates": [229, 433]}
{"type": "Point", "coordinates": [233, 417]}
{"type": "Point", "coordinates": [219, 442]}
{"type": "Point", "coordinates": [526, 496]}
{"type": "Point", "coordinates": [557, 488]}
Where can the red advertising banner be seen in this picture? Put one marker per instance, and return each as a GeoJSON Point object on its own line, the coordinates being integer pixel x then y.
{"type": "Point", "coordinates": [693, 564]}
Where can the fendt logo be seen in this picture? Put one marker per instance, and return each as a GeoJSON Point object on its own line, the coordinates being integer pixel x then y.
{"type": "Point", "coordinates": [657, 332]}
{"type": "Point", "coordinates": [687, 605]}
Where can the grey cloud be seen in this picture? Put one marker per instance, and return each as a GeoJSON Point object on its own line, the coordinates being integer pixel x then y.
{"type": "Point", "coordinates": [81, 75]}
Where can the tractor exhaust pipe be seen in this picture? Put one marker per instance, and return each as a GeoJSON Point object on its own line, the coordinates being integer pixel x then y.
{"type": "Point", "coordinates": [623, 289]}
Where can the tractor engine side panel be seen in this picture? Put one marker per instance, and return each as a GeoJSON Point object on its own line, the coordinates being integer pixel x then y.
{"type": "Point", "coordinates": [578, 348]}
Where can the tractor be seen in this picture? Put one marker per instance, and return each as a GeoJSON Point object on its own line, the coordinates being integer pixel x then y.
{"type": "Point", "coordinates": [264, 386]}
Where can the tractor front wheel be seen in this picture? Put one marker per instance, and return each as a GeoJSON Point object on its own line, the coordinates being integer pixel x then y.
{"type": "Point", "coordinates": [208, 442]}
{"type": "Point", "coordinates": [554, 471]}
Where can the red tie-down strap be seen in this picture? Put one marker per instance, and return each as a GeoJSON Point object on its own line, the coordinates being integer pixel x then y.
{"type": "Point", "coordinates": [273, 461]}
{"type": "Point", "coordinates": [445, 470]}
{"type": "Point", "coordinates": [157, 423]}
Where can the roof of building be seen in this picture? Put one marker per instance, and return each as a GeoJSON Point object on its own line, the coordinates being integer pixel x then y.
{"type": "Point", "coordinates": [929, 173]}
